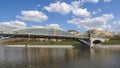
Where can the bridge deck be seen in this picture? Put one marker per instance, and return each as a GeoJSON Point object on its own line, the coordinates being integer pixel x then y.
{"type": "Point", "coordinates": [40, 36]}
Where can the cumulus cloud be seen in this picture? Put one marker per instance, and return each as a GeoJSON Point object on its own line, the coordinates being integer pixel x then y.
{"type": "Point", "coordinates": [33, 15]}
{"type": "Point", "coordinates": [92, 1]}
{"type": "Point", "coordinates": [74, 7]}
{"type": "Point", "coordinates": [76, 4]}
{"type": "Point", "coordinates": [37, 26]}
{"type": "Point", "coordinates": [62, 8]}
{"type": "Point", "coordinates": [97, 11]}
{"type": "Point", "coordinates": [48, 25]}
{"type": "Point", "coordinates": [53, 25]}
{"type": "Point", "coordinates": [107, 0]}
{"type": "Point", "coordinates": [117, 26]}
{"type": "Point", "coordinates": [77, 11]}
{"type": "Point", "coordinates": [81, 12]}
{"type": "Point", "coordinates": [116, 22]}
{"type": "Point", "coordinates": [14, 24]}
{"type": "Point", "coordinates": [93, 23]}
{"type": "Point", "coordinates": [57, 26]}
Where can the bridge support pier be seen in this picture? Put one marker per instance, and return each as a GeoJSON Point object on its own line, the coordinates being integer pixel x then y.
{"type": "Point", "coordinates": [90, 40]}
{"type": "Point", "coordinates": [91, 44]}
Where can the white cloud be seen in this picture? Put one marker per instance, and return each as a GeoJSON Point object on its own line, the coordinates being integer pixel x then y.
{"type": "Point", "coordinates": [91, 23]}
{"type": "Point", "coordinates": [57, 26]}
{"type": "Point", "coordinates": [48, 25]}
{"type": "Point", "coordinates": [107, 0]}
{"type": "Point", "coordinates": [37, 26]}
{"type": "Point", "coordinates": [97, 11]}
{"type": "Point", "coordinates": [76, 4]}
{"type": "Point", "coordinates": [65, 8]}
{"type": "Point", "coordinates": [33, 15]}
{"type": "Point", "coordinates": [77, 11]}
{"type": "Point", "coordinates": [81, 12]}
{"type": "Point", "coordinates": [92, 1]}
{"type": "Point", "coordinates": [53, 25]}
{"type": "Point", "coordinates": [117, 26]}
{"type": "Point", "coordinates": [14, 24]}
{"type": "Point", "coordinates": [62, 8]}
{"type": "Point", "coordinates": [116, 22]}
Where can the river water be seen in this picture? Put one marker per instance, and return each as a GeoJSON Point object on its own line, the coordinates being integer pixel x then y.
{"type": "Point", "coordinates": [24, 57]}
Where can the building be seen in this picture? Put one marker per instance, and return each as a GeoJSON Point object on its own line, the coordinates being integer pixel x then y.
{"type": "Point", "coordinates": [108, 34]}
{"type": "Point", "coordinates": [74, 32]}
{"type": "Point", "coordinates": [100, 32]}
{"type": "Point", "coordinates": [96, 32]}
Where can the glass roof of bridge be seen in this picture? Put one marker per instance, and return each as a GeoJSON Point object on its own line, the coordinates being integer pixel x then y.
{"type": "Point", "coordinates": [5, 30]}
{"type": "Point", "coordinates": [44, 31]}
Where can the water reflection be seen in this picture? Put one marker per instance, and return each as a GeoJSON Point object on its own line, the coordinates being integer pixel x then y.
{"type": "Point", "coordinates": [107, 58]}
{"type": "Point", "coordinates": [58, 58]}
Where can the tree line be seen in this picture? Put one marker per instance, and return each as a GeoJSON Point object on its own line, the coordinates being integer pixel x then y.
{"type": "Point", "coordinates": [115, 37]}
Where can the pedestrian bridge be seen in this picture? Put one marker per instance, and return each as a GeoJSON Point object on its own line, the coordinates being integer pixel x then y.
{"type": "Point", "coordinates": [87, 40]}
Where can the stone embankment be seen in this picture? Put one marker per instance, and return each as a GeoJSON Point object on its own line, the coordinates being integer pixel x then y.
{"type": "Point", "coordinates": [42, 46]}
{"type": "Point", "coordinates": [67, 46]}
{"type": "Point", "coordinates": [108, 46]}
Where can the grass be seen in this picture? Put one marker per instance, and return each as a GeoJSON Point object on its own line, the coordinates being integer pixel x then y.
{"type": "Point", "coordinates": [70, 42]}
{"type": "Point", "coordinates": [65, 42]}
{"type": "Point", "coordinates": [112, 42]}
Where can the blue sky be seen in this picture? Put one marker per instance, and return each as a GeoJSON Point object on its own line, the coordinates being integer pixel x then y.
{"type": "Point", "coordinates": [77, 15]}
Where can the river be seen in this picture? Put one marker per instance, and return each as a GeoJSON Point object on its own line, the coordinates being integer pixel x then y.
{"type": "Point", "coordinates": [26, 57]}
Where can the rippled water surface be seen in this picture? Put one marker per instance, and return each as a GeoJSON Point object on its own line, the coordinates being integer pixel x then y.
{"type": "Point", "coordinates": [23, 57]}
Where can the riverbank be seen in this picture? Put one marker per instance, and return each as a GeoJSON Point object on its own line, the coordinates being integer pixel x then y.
{"type": "Point", "coordinates": [111, 42]}
{"type": "Point", "coordinates": [107, 46]}
{"type": "Point", "coordinates": [48, 46]}
{"type": "Point", "coordinates": [66, 46]}
{"type": "Point", "coordinates": [42, 46]}
{"type": "Point", "coordinates": [65, 42]}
